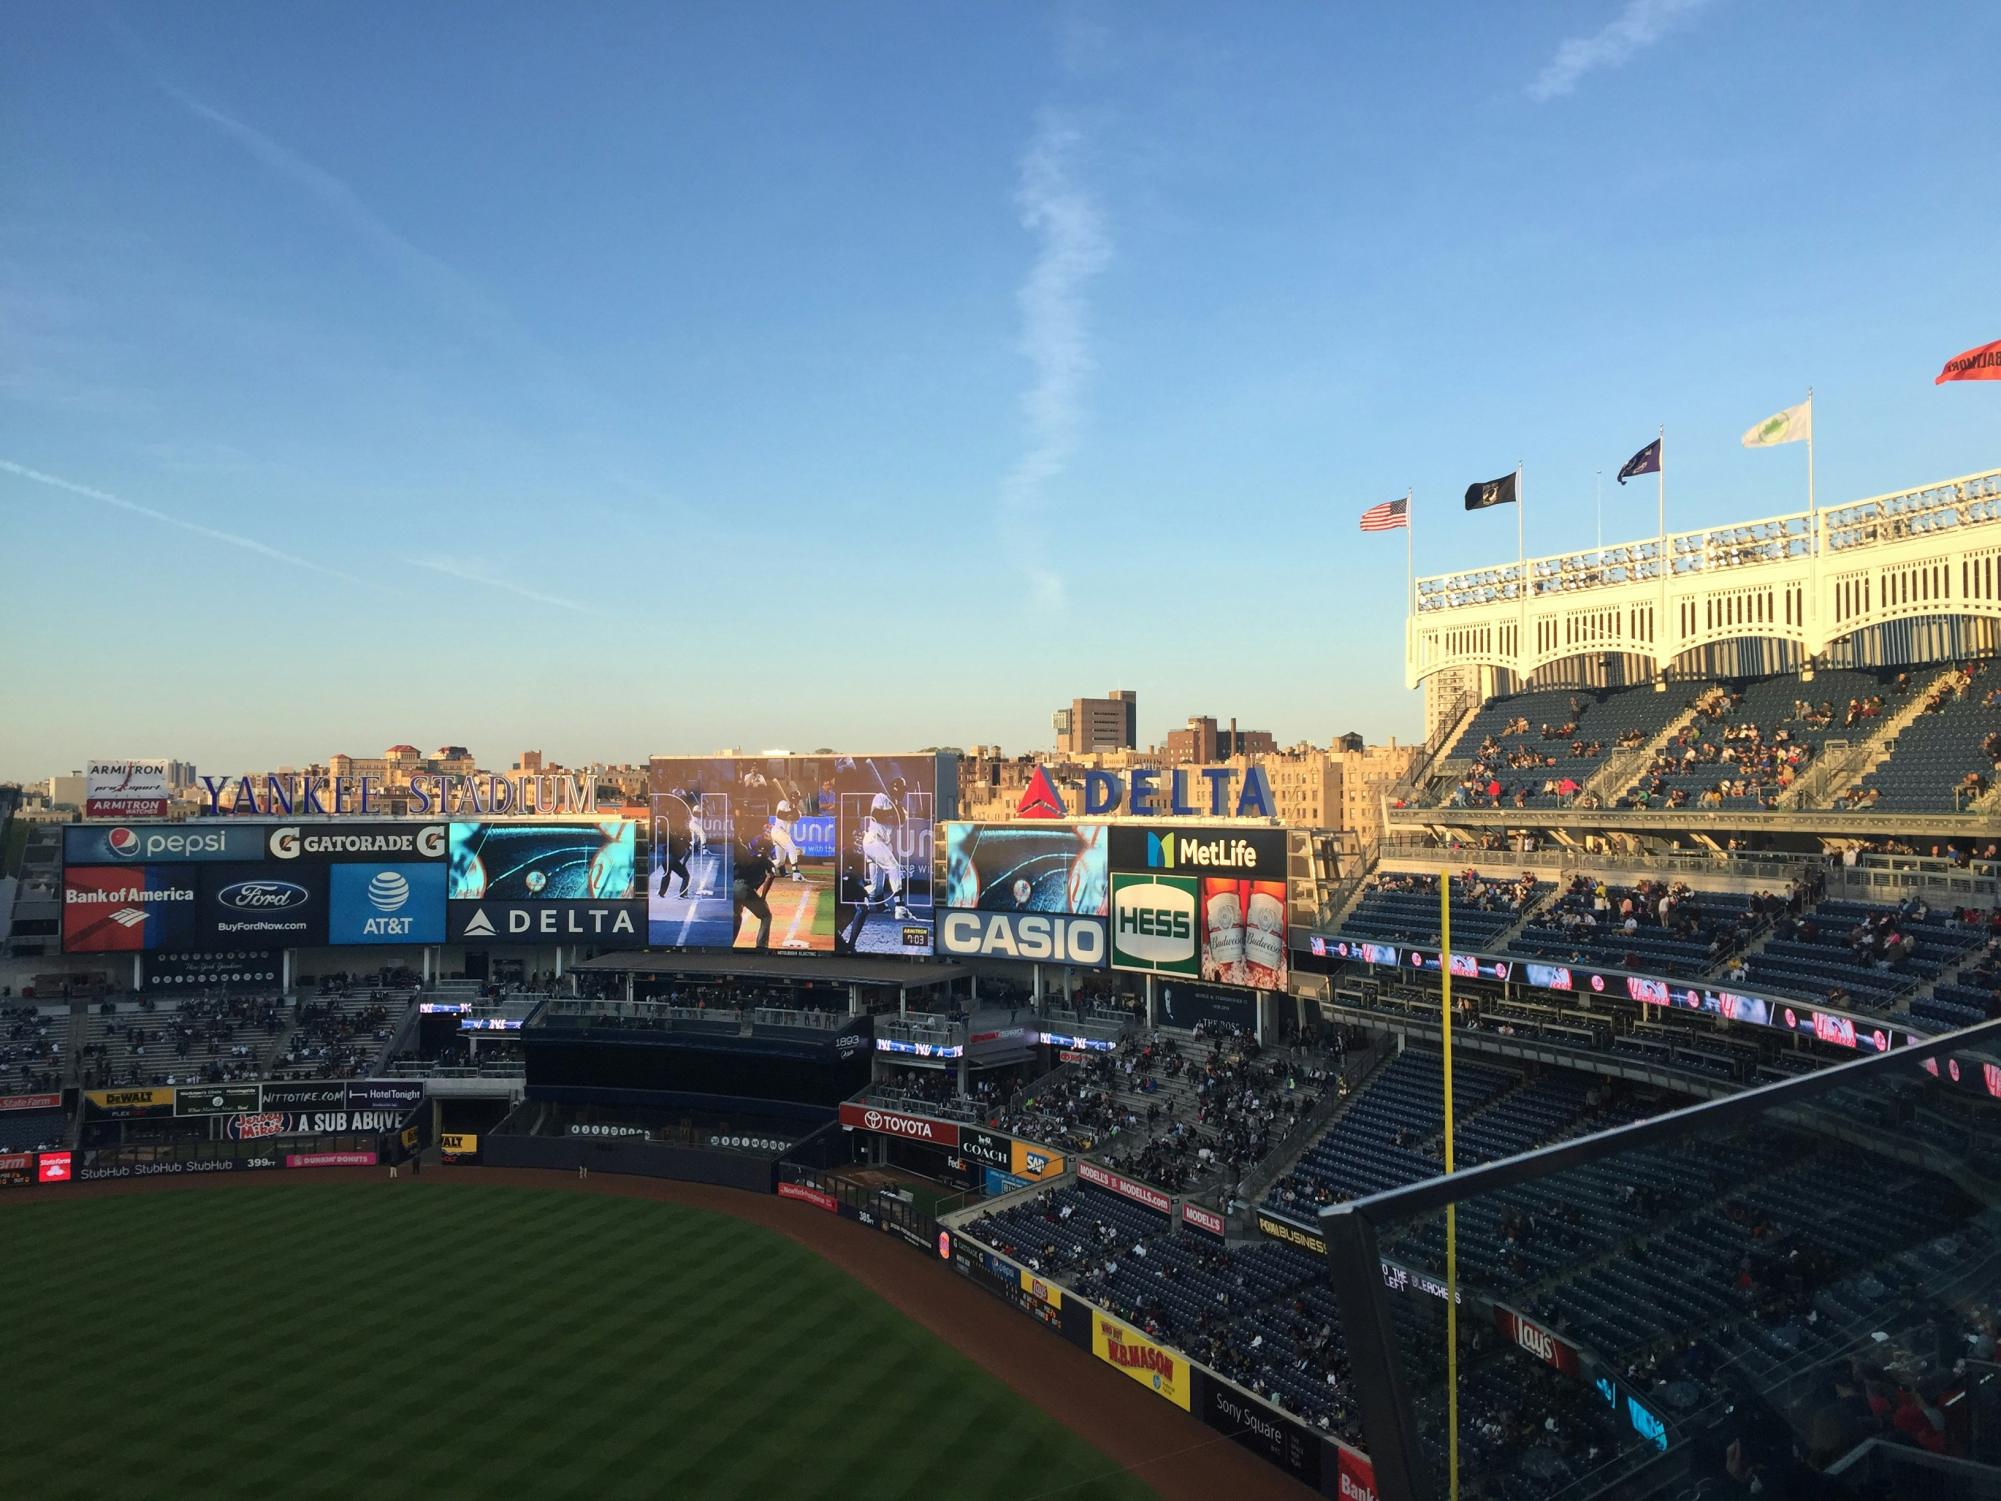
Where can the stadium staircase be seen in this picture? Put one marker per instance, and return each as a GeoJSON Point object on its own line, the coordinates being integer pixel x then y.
{"type": "Point", "coordinates": [1255, 1184]}
{"type": "Point", "coordinates": [1830, 775]}
{"type": "Point", "coordinates": [1624, 768]}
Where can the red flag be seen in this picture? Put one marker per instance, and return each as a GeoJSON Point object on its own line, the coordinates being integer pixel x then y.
{"type": "Point", "coordinates": [1983, 363]}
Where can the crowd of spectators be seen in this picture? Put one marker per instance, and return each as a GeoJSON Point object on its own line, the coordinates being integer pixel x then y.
{"type": "Point", "coordinates": [202, 1040]}
{"type": "Point", "coordinates": [336, 1040]}
{"type": "Point", "coordinates": [1749, 763]}
{"type": "Point", "coordinates": [31, 1052]}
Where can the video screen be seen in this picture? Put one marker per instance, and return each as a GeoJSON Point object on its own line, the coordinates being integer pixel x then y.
{"type": "Point", "coordinates": [819, 854]}
{"type": "Point", "coordinates": [1016, 868]}
{"type": "Point", "coordinates": [543, 862]}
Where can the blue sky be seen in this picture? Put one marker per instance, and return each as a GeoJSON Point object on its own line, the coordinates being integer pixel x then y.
{"type": "Point", "coordinates": [631, 378]}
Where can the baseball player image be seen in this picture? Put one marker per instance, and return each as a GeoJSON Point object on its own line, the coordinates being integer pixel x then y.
{"type": "Point", "coordinates": [781, 837]}
{"type": "Point", "coordinates": [886, 828]}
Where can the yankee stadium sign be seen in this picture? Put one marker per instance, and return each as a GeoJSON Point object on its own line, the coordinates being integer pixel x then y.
{"type": "Point", "coordinates": [431, 794]}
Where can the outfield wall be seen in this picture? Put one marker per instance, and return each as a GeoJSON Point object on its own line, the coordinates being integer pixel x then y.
{"type": "Point", "coordinates": [632, 1154]}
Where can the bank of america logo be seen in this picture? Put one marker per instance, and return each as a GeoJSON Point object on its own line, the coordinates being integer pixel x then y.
{"type": "Point", "coordinates": [1160, 851]}
{"type": "Point", "coordinates": [128, 917]}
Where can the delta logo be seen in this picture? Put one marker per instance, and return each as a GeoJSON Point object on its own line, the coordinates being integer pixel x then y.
{"type": "Point", "coordinates": [1040, 799]}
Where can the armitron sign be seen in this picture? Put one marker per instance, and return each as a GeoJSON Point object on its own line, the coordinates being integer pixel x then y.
{"type": "Point", "coordinates": [895, 1123]}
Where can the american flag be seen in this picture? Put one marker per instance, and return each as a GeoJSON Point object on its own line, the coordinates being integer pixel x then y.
{"type": "Point", "coordinates": [1388, 516]}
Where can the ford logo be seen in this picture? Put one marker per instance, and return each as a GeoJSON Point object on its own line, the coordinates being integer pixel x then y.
{"type": "Point", "coordinates": [263, 896]}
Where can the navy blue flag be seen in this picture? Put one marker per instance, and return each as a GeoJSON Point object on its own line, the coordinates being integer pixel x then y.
{"type": "Point", "coordinates": [1646, 461]}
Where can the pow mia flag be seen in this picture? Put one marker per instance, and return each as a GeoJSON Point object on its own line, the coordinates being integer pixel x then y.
{"type": "Point", "coordinates": [1495, 492]}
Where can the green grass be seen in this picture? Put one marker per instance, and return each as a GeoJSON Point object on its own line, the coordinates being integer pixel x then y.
{"type": "Point", "coordinates": [381, 1340]}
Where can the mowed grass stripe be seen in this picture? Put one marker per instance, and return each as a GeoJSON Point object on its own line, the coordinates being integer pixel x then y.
{"type": "Point", "coordinates": [342, 1339]}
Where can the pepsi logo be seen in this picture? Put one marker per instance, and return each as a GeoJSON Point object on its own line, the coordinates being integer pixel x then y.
{"type": "Point", "coordinates": [122, 842]}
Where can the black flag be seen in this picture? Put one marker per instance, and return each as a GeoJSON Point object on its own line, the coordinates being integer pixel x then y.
{"type": "Point", "coordinates": [1646, 461]}
{"type": "Point", "coordinates": [1495, 492]}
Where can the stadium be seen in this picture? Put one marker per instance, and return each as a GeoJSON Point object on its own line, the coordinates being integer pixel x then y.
{"type": "Point", "coordinates": [1616, 1126]}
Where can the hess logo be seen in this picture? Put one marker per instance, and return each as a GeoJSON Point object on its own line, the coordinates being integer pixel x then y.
{"type": "Point", "coordinates": [1154, 923]}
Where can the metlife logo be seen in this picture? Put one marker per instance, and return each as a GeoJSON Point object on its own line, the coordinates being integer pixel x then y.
{"type": "Point", "coordinates": [1257, 854]}
{"type": "Point", "coordinates": [1153, 924]}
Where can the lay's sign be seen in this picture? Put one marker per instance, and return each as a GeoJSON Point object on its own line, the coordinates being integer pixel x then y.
{"type": "Point", "coordinates": [1140, 1358]}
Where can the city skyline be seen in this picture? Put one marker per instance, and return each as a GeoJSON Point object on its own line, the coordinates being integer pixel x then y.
{"type": "Point", "coordinates": [891, 379]}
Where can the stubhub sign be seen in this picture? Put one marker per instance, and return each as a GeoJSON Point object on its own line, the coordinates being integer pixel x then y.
{"type": "Point", "coordinates": [1050, 938]}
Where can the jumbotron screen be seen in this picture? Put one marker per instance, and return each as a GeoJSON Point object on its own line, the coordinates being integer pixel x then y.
{"type": "Point", "coordinates": [543, 862]}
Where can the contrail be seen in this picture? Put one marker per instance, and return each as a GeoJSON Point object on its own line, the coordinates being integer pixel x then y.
{"type": "Point", "coordinates": [1633, 30]}
{"type": "Point", "coordinates": [486, 580]}
{"type": "Point", "coordinates": [231, 539]}
{"type": "Point", "coordinates": [1074, 248]}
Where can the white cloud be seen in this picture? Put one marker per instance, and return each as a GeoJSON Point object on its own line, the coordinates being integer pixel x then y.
{"type": "Point", "coordinates": [228, 539]}
{"type": "Point", "coordinates": [1073, 247]}
{"type": "Point", "coordinates": [1633, 30]}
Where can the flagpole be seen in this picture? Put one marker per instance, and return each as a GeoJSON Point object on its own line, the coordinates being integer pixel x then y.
{"type": "Point", "coordinates": [1661, 562]}
{"type": "Point", "coordinates": [1812, 506]}
{"type": "Point", "coordinates": [1410, 551]}
{"type": "Point", "coordinates": [1451, 1206]}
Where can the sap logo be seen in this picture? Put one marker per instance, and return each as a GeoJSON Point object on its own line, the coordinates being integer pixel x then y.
{"type": "Point", "coordinates": [1035, 1162]}
{"type": "Point", "coordinates": [263, 896]}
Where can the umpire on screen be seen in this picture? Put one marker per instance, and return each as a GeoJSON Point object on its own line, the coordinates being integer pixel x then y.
{"type": "Point", "coordinates": [756, 865]}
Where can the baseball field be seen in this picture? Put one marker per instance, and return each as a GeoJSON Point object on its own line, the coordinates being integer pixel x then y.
{"type": "Point", "coordinates": [377, 1339]}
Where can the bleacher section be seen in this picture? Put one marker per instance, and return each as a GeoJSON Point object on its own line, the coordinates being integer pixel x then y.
{"type": "Point", "coordinates": [1677, 931]}
{"type": "Point", "coordinates": [1515, 748]}
{"type": "Point", "coordinates": [1860, 956]}
{"type": "Point", "coordinates": [139, 1043]}
{"type": "Point", "coordinates": [1403, 908]}
{"type": "Point", "coordinates": [32, 1038]}
{"type": "Point", "coordinates": [1938, 751]}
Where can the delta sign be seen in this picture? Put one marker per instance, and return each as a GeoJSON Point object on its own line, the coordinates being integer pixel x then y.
{"type": "Point", "coordinates": [1148, 793]}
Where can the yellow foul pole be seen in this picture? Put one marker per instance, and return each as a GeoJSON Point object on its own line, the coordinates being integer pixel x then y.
{"type": "Point", "coordinates": [1451, 1209]}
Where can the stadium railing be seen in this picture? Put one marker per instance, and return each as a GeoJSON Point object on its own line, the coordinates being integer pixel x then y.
{"type": "Point", "coordinates": [1667, 1288]}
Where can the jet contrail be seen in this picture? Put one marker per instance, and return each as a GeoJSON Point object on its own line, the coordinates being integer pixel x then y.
{"type": "Point", "coordinates": [231, 539]}
{"type": "Point", "coordinates": [474, 576]}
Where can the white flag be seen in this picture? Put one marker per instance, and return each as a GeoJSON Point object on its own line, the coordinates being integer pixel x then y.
{"type": "Point", "coordinates": [1793, 425]}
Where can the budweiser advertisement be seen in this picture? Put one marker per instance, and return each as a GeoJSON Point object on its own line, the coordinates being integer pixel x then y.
{"type": "Point", "coordinates": [125, 789]}
{"type": "Point", "coordinates": [896, 1123]}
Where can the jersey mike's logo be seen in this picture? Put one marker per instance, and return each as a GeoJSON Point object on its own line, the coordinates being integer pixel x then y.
{"type": "Point", "coordinates": [1040, 799]}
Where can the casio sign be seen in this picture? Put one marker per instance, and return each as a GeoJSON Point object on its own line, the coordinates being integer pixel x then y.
{"type": "Point", "coordinates": [1024, 935]}
{"type": "Point", "coordinates": [263, 896]}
